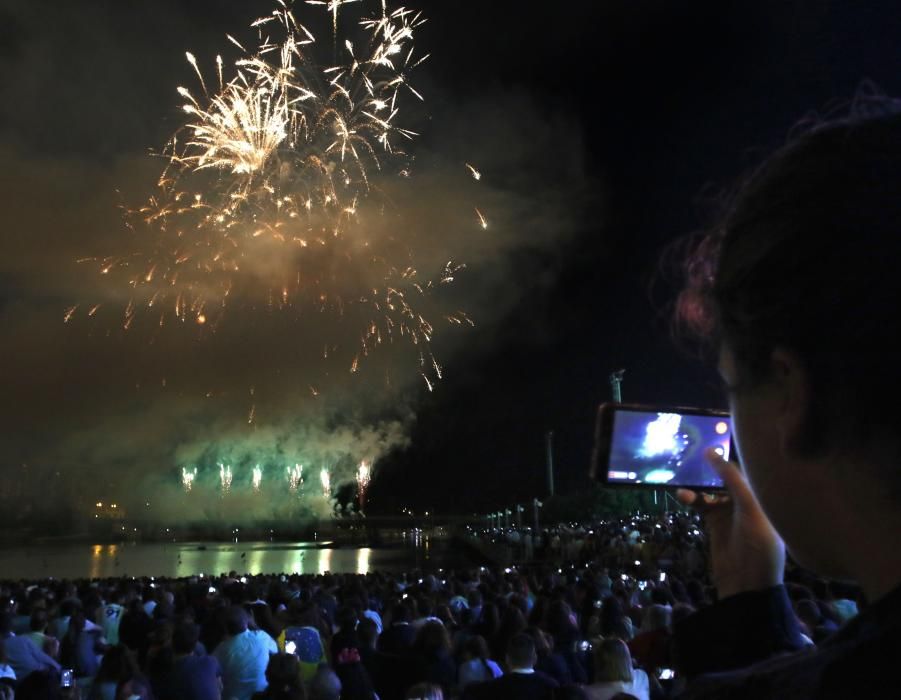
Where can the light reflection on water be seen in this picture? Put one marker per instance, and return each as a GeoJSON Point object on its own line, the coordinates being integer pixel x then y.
{"type": "Point", "coordinates": [187, 559]}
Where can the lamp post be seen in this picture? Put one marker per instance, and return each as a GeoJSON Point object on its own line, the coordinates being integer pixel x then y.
{"type": "Point", "coordinates": [536, 504]}
{"type": "Point", "coordinates": [616, 381]}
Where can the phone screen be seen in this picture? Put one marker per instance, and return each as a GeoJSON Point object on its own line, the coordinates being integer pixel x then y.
{"type": "Point", "coordinates": [664, 447]}
{"type": "Point", "coordinates": [290, 647]}
{"type": "Point", "coordinates": [66, 678]}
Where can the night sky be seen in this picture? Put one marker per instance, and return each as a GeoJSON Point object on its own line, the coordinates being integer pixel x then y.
{"type": "Point", "coordinates": [603, 130]}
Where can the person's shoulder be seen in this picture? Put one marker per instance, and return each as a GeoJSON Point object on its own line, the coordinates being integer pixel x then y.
{"type": "Point", "coordinates": [544, 678]}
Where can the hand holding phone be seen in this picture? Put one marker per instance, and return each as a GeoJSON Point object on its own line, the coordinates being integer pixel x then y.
{"type": "Point", "coordinates": [67, 678]}
{"type": "Point", "coordinates": [746, 552]}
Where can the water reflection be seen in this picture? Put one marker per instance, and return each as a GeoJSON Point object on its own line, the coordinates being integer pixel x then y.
{"type": "Point", "coordinates": [190, 559]}
{"type": "Point", "coordinates": [255, 562]}
{"type": "Point", "coordinates": [325, 560]}
{"type": "Point", "coordinates": [363, 560]}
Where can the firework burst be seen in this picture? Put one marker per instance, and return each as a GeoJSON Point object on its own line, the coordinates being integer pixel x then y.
{"type": "Point", "coordinates": [268, 198]}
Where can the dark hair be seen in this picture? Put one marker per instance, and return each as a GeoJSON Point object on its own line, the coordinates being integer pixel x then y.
{"type": "Point", "coordinates": [38, 622]}
{"type": "Point", "coordinates": [283, 676]}
{"type": "Point", "coordinates": [432, 639]}
{"type": "Point", "coordinates": [805, 258]}
{"type": "Point", "coordinates": [521, 651]}
{"type": "Point", "coordinates": [39, 685]}
{"type": "Point", "coordinates": [235, 620]}
{"type": "Point", "coordinates": [424, 691]}
{"type": "Point", "coordinates": [184, 637]}
{"type": "Point", "coordinates": [368, 632]}
{"type": "Point", "coordinates": [118, 665]}
{"type": "Point", "coordinates": [477, 648]}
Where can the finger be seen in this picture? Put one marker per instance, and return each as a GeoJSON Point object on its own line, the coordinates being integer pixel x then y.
{"type": "Point", "coordinates": [733, 479]}
{"type": "Point", "coordinates": [686, 497]}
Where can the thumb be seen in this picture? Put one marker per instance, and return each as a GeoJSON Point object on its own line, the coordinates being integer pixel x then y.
{"type": "Point", "coordinates": [733, 479]}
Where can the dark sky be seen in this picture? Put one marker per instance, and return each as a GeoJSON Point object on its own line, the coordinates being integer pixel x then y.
{"type": "Point", "coordinates": [603, 131]}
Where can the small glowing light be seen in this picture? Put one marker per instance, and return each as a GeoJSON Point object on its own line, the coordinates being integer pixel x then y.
{"type": "Point", "coordinates": [722, 428]}
{"type": "Point", "coordinates": [201, 319]}
{"type": "Point", "coordinates": [100, 504]}
{"type": "Point", "coordinates": [637, 563]}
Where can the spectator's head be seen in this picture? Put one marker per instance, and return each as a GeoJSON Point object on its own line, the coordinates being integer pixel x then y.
{"type": "Point", "coordinates": [39, 685]}
{"type": "Point", "coordinates": [797, 289]}
{"type": "Point", "coordinates": [612, 662]}
{"type": "Point", "coordinates": [236, 619]}
{"type": "Point", "coordinates": [368, 632]}
{"type": "Point", "coordinates": [432, 639]}
{"type": "Point", "coordinates": [347, 618]}
{"type": "Point", "coordinates": [476, 648]}
{"type": "Point", "coordinates": [400, 613]}
{"type": "Point", "coordinates": [38, 621]}
{"type": "Point", "coordinates": [118, 665]}
{"type": "Point", "coordinates": [355, 681]}
{"type": "Point", "coordinates": [325, 685]}
{"type": "Point", "coordinates": [283, 676]}
{"type": "Point", "coordinates": [657, 617]}
{"type": "Point", "coordinates": [184, 638]}
{"type": "Point", "coordinates": [542, 643]}
{"type": "Point", "coordinates": [424, 691]}
{"type": "Point", "coordinates": [521, 652]}
{"type": "Point", "coordinates": [614, 622]}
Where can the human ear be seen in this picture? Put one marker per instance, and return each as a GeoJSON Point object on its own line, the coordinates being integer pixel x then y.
{"type": "Point", "coordinates": [791, 382]}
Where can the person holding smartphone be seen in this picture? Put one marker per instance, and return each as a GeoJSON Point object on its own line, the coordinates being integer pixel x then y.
{"type": "Point", "coordinates": [796, 290]}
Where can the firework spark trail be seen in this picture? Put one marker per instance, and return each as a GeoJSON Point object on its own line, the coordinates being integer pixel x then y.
{"type": "Point", "coordinates": [295, 477]}
{"type": "Point", "coordinates": [326, 479]}
{"type": "Point", "coordinates": [271, 170]}
{"type": "Point", "coordinates": [364, 474]}
{"type": "Point", "coordinates": [187, 478]}
{"type": "Point", "coordinates": [225, 478]}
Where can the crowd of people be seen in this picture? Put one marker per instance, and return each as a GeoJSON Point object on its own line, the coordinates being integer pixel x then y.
{"type": "Point", "coordinates": [599, 626]}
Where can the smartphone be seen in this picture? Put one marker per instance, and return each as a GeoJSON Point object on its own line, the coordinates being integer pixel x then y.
{"type": "Point", "coordinates": [290, 647]}
{"type": "Point", "coordinates": [67, 678]}
{"type": "Point", "coordinates": [666, 674]}
{"type": "Point", "coordinates": [585, 646]}
{"type": "Point", "coordinates": [658, 446]}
